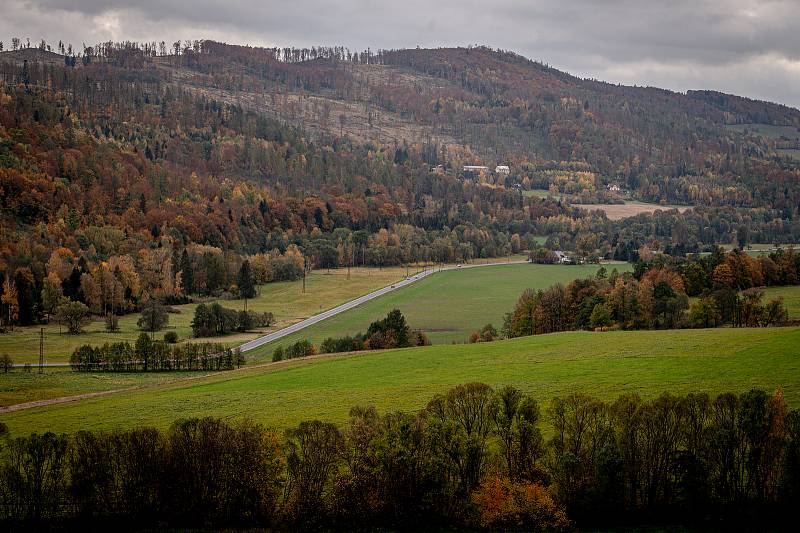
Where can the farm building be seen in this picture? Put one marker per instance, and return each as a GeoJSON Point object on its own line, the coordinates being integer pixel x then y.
{"type": "Point", "coordinates": [563, 257]}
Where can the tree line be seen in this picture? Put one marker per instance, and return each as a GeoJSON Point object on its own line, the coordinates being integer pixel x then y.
{"type": "Point", "coordinates": [386, 333]}
{"type": "Point", "coordinates": [147, 355]}
{"type": "Point", "coordinates": [474, 457]}
{"type": "Point", "coordinates": [213, 320]}
{"type": "Point", "coordinates": [389, 332]}
{"type": "Point", "coordinates": [657, 300]}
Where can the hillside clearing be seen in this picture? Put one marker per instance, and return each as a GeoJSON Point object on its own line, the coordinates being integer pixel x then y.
{"type": "Point", "coordinates": [629, 209]}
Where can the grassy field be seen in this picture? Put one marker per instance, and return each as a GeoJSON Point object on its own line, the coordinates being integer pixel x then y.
{"type": "Point", "coordinates": [754, 249]}
{"type": "Point", "coordinates": [20, 387]}
{"type": "Point", "coordinates": [767, 130]}
{"type": "Point", "coordinates": [540, 193]}
{"type": "Point", "coordinates": [603, 364]}
{"type": "Point", "coordinates": [629, 209]}
{"type": "Point", "coordinates": [777, 133]}
{"type": "Point", "coordinates": [789, 152]}
{"type": "Point", "coordinates": [790, 295]}
{"type": "Point", "coordinates": [449, 305]}
{"type": "Point", "coordinates": [324, 289]}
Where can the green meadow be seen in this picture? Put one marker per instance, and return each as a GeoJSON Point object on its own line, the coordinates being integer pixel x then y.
{"type": "Point", "coordinates": [603, 364]}
{"type": "Point", "coordinates": [448, 305]}
{"type": "Point", "coordinates": [286, 300]}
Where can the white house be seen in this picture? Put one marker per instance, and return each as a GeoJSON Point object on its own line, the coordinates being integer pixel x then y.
{"type": "Point", "coordinates": [502, 170]}
{"type": "Point", "coordinates": [562, 257]}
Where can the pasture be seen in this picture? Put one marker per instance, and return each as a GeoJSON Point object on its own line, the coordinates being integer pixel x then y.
{"type": "Point", "coordinates": [540, 193]}
{"type": "Point", "coordinates": [790, 295]}
{"type": "Point", "coordinates": [448, 305]}
{"type": "Point", "coordinates": [324, 290]}
{"type": "Point", "coordinates": [607, 364]}
{"type": "Point", "coordinates": [629, 209]}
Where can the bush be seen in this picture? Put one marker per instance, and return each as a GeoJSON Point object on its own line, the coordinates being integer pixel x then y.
{"type": "Point", "coordinates": [74, 315]}
{"type": "Point", "coordinates": [419, 338]}
{"type": "Point", "coordinates": [6, 363]}
{"type": "Point", "coordinates": [277, 355]}
{"type": "Point", "coordinates": [487, 333]}
{"type": "Point", "coordinates": [170, 337]}
{"type": "Point", "coordinates": [112, 322]}
{"type": "Point", "coordinates": [342, 344]}
{"type": "Point", "coordinates": [507, 505]}
{"type": "Point", "coordinates": [301, 348]}
{"type": "Point", "coordinates": [154, 316]}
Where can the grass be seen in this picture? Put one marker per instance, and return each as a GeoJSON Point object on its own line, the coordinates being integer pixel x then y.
{"type": "Point", "coordinates": [540, 193]}
{"type": "Point", "coordinates": [19, 387]}
{"type": "Point", "coordinates": [629, 208]}
{"type": "Point", "coordinates": [790, 295]}
{"type": "Point", "coordinates": [754, 249]}
{"type": "Point", "coordinates": [602, 364]}
{"type": "Point", "coordinates": [767, 130]}
{"type": "Point", "coordinates": [789, 152]}
{"type": "Point", "coordinates": [449, 305]}
{"type": "Point", "coordinates": [324, 289]}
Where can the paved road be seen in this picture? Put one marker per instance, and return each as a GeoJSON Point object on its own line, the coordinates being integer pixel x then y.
{"type": "Point", "coordinates": [275, 335]}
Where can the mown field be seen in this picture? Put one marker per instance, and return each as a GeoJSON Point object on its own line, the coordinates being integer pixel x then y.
{"type": "Point", "coordinates": [324, 289]}
{"type": "Point", "coordinates": [629, 209]}
{"type": "Point", "coordinates": [603, 364]}
{"type": "Point", "coordinates": [790, 295]}
{"type": "Point", "coordinates": [21, 387]}
{"type": "Point", "coordinates": [449, 305]}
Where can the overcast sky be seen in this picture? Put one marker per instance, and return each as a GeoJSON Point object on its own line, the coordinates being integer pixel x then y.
{"type": "Point", "coordinates": [745, 47]}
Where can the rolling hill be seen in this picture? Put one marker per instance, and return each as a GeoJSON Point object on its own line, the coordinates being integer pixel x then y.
{"type": "Point", "coordinates": [603, 364]}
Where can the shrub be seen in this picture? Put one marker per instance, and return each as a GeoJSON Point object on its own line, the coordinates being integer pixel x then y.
{"type": "Point", "coordinates": [74, 315]}
{"type": "Point", "coordinates": [154, 316]}
{"type": "Point", "coordinates": [170, 337]}
{"type": "Point", "coordinates": [6, 363]}
{"type": "Point", "coordinates": [505, 505]}
{"type": "Point", "coordinates": [277, 355]}
{"type": "Point", "coordinates": [301, 348]}
{"type": "Point", "coordinates": [419, 338]}
{"type": "Point", "coordinates": [211, 320]}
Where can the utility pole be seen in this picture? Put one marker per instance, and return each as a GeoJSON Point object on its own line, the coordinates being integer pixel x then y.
{"type": "Point", "coordinates": [41, 350]}
{"type": "Point", "coordinates": [304, 274]}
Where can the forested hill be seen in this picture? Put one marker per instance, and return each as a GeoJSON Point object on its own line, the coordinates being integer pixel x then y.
{"type": "Point", "coordinates": [488, 106]}
{"type": "Point", "coordinates": [163, 162]}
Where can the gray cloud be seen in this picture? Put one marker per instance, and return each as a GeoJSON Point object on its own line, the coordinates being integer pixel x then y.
{"type": "Point", "coordinates": [747, 47]}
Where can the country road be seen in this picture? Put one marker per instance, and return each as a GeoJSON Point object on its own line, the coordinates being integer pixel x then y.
{"type": "Point", "coordinates": [288, 330]}
{"type": "Point", "coordinates": [275, 335]}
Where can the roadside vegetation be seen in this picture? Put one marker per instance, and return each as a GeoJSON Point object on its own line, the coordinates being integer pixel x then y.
{"type": "Point", "coordinates": [285, 300]}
